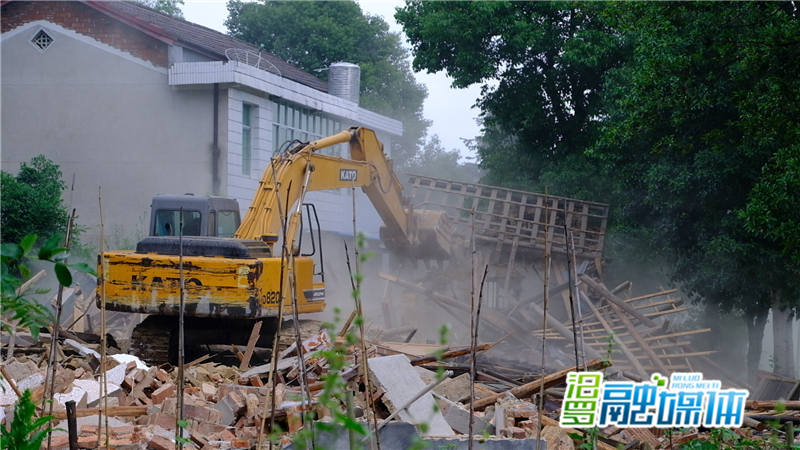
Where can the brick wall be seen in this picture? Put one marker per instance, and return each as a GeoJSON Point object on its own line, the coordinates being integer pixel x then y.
{"type": "Point", "coordinates": [85, 20]}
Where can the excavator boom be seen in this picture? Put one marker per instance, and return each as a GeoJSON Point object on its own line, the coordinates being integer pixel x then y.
{"type": "Point", "coordinates": [421, 234]}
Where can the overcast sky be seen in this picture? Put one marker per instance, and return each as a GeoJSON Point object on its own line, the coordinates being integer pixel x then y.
{"type": "Point", "coordinates": [450, 109]}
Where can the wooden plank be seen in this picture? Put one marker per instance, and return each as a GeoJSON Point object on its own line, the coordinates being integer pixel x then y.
{"type": "Point", "coordinates": [655, 294]}
{"type": "Point", "coordinates": [642, 345]}
{"type": "Point", "coordinates": [625, 350]}
{"type": "Point", "coordinates": [449, 354]}
{"type": "Point", "coordinates": [248, 353]}
{"type": "Point", "coordinates": [674, 335]}
{"type": "Point", "coordinates": [528, 389]}
{"type": "Point", "coordinates": [645, 320]}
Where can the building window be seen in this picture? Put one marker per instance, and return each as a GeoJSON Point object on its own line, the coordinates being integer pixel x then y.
{"type": "Point", "coordinates": [294, 122]}
{"type": "Point", "coordinates": [42, 40]}
{"type": "Point", "coordinates": [247, 138]}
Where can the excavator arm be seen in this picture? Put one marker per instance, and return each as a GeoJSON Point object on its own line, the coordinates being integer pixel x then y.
{"type": "Point", "coordinates": [302, 168]}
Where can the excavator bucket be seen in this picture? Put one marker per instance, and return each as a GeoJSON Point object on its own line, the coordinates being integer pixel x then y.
{"type": "Point", "coordinates": [432, 237]}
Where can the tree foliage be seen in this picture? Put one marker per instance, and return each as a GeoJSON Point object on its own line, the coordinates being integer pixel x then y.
{"type": "Point", "coordinates": [702, 106]}
{"type": "Point", "coordinates": [26, 432]}
{"type": "Point", "coordinates": [314, 35]}
{"type": "Point", "coordinates": [170, 7]}
{"type": "Point", "coordinates": [14, 269]}
{"type": "Point", "coordinates": [682, 115]}
{"type": "Point", "coordinates": [31, 201]}
{"type": "Point", "coordinates": [541, 65]}
{"type": "Point", "coordinates": [435, 161]}
{"type": "Point", "coordinates": [772, 207]}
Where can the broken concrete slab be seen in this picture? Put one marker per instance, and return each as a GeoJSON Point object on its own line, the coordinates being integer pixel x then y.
{"type": "Point", "coordinates": [92, 389]}
{"type": "Point", "coordinates": [265, 368]}
{"type": "Point", "coordinates": [18, 371]}
{"type": "Point", "coordinates": [231, 406]}
{"type": "Point", "coordinates": [458, 418]}
{"type": "Point", "coordinates": [455, 389]}
{"type": "Point", "coordinates": [401, 382]}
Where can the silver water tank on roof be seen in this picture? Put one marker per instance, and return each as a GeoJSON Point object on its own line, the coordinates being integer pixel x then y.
{"type": "Point", "coordinates": [344, 81]}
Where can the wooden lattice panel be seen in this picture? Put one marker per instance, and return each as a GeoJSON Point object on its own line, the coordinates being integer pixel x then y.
{"type": "Point", "coordinates": [665, 344]}
{"type": "Point", "coordinates": [519, 218]}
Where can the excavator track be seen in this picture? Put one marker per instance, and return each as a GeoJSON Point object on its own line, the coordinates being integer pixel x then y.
{"type": "Point", "coordinates": [154, 340]}
{"type": "Point", "coordinates": [150, 340]}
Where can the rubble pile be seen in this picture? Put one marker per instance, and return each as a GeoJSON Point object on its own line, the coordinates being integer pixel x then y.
{"type": "Point", "coordinates": [508, 389]}
{"type": "Point", "coordinates": [224, 406]}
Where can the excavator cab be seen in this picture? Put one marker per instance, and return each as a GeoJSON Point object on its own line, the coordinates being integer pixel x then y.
{"type": "Point", "coordinates": [202, 215]}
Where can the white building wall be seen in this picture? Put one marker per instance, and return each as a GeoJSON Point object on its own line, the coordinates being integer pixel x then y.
{"type": "Point", "coordinates": [107, 118]}
{"type": "Point", "coordinates": [242, 186]}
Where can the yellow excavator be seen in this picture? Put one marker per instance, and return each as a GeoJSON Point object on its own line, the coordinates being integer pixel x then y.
{"type": "Point", "coordinates": [230, 282]}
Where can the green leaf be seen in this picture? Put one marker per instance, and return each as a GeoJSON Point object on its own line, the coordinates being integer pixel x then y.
{"type": "Point", "coordinates": [24, 271]}
{"type": "Point", "coordinates": [50, 247]}
{"type": "Point", "coordinates": [83, 267]}
{"type": "Point", "coordinates": [27, 243]}
{"type": "Point", "coordinates": [12, 251]}
{"type": "Point", "coordinates": [59, 254]}
{"type": "Point", "coordinates": [63, 274]}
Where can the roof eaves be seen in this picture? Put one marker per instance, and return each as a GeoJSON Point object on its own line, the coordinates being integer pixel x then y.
{"type": "Point", "coordinates": [131, 20]}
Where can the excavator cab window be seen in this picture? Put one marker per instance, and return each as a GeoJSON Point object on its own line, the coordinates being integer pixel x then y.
{"type": "Point", "coordinates": [227, 223]}
{"type": "Point", "coordinates": [168, 223]}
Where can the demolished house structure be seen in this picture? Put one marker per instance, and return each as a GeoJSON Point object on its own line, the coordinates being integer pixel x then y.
{"type": "Point", "coordinates": [410, 379]}
{"type": "Point", "coordinates": [529, 277]}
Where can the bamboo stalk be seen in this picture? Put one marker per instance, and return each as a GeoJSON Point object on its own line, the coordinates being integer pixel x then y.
{"type": "Point", "coordinates": [474, 362]}
{"type": "Point", "coordinates": [51, 364]}
{"type": "Point", "coordinates": [473, 338]}
{"type": "Point", "coordinates": [272, 378]}
{"type": "Point", "coordinates": [360, 314]}
{"type": "Point", "coordinates": [181, 339]}
{"type": "Point", "coordinates": [547, 261]}
{"type": "Point", "coordinates": [103, 341]}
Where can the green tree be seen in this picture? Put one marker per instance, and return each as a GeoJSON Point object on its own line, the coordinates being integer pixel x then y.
{"type": "Point", "coordinates": [541, 65]}
{"type": "Point", "coordinates": [683, 115]}
{"type": "Point", "coordinates": [772, 207]}
{"type": "Point", "coordinates": [31, 201]}
{"type": "Point", "coordinates": [435, 161]}
{"type": "Point", "coordinates": [170, 7]}
{"type": "Point", "coordinates": [708, 98]}
{"type": "Point", "coordinates": [314, 35]}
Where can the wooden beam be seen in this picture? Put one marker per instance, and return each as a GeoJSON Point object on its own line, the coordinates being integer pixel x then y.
{"type": "Point", "coordinates": [642, 345]}
{"type": "Point", "coordinates": [248, 353]}
{"type": "Point", "coordinates": [625, 350]}
{"type": "Point", "coordinates": [600, 289]}
{"type": "Point", "coordinates": [528, 389]}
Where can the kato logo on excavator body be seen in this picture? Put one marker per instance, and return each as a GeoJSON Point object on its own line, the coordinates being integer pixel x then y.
{"type": "Point", "coordinates": [169, 282]}
{"type": "Point", "coordinates": [348, 175]}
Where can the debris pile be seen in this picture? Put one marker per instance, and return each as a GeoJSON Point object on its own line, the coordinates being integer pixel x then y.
{"type": "Point", "coordinates": [545, 312]}
{"type": "Point", "coordinates": [224, 406]}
